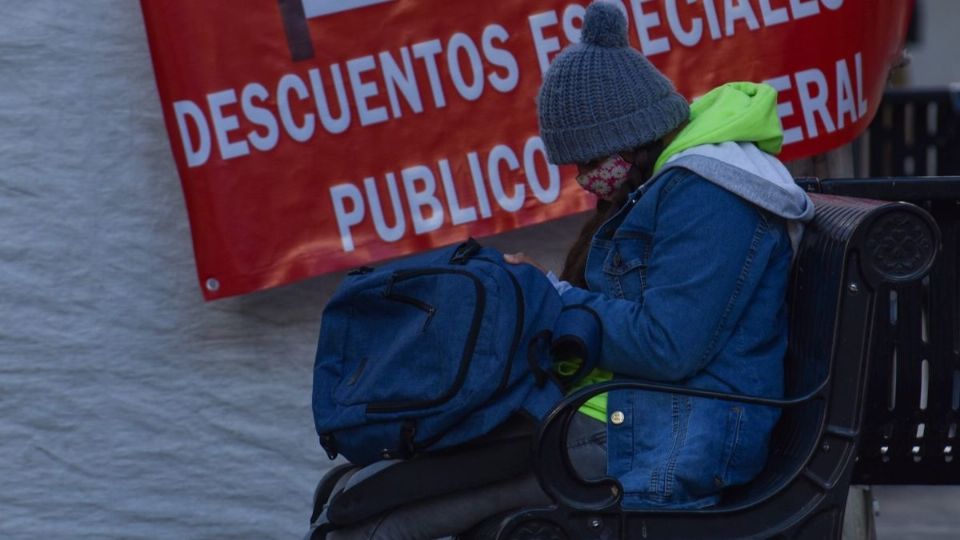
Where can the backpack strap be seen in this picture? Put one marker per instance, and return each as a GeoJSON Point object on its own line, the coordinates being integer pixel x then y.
{"type": "Point", "coordinates": [577, 333]}
{"type": "Point", "coordinates": [499, 456]}
{"type": "Point", "coordinates": [536, 350]}
{"type": "Point", "coordinates": [325, 488]}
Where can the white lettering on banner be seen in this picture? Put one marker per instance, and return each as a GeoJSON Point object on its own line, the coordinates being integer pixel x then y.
{"type": "Point", "coordinates": [500, 58]}
{"type": "Point", "coordinates": [340, 193]}
{"type": "Point", "coordinates": [476, 172]}
{"type": "Point", "coordinates": [223, 124]}
{"type": "Point", "coordinates": [259, 116]}
{"type": "Point", "coordinates": [804, 8]}
{"type": "Point", "coordinates": [712, 20]}
{"type": "Point", "coordinates": [785, 109]}
{"type": "Point", "coordinates": [386, 233]}
{"type": "Point", "coordinates": [845, 104]}
{"type": "Point", "coordinates": [426, 210]}
{"type": "Point", "coordinates": [858, 60]}
{"type": "Point", "coordinates": [740, 10]}
{"type": "Point", "coordinates": [545, 195]}
{"type": "Point", "coordinates": [503, 153]}
{"type": "Point", "coordinates": [814, 102]}
{"type": "Point", "coordinates": [418, 199]}
{"type": "Point", "coordinates": [331, 124]}
{"type": "Point", "coordinates": [573, 13]}
{"type": "Point", "coordinates": [428, 51]}
{"type": "Point", "coordinates": [330, 96]}
{"type": "Point", "coordinates": [771, 16]}
{"type": "Point", "coordinates": [288, 83]}
{"type": "Point", "coordinates": [462, 42]}
{"type": "Point", "coordinates": [659, 24]}
{"type": "Point", "coordinates": [362, 91]}
{"type": "Point", "coordinates": [814, 95]}
{"type": "Point", "coordinates": [386, 85]}
{"type": "Point", "coordinates": [544, 46]}
{"type": "Point", "coordinates": [458, 215]}
{"type": "Point", "coordinates": [187, 109]}
{"type": "Point", "coordinates": [645, 21]}
{"type": "Point", "coordinates": [690, 37]}
{"type": "Point", "coordinates": [405, 81]}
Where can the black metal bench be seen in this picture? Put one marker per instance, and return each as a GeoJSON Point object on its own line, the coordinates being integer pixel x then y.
{"type": "Point", "coordinates": [911, 411]}
{"type": "Point", "coordinates": [852, 256]}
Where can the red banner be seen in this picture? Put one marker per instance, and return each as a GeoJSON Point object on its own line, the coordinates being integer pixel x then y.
{"type": "Point", "coordinates": [318, 135]}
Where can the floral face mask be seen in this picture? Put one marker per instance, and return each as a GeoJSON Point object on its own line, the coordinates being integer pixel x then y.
{"type": "Point", "coordinates": [604, 179]}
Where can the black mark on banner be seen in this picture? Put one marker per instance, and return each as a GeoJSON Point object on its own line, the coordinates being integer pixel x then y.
{"type": "Point", "coordinates": [295, 25]}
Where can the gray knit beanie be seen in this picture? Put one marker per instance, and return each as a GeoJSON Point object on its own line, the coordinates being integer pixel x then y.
{"type": "Point", "coordinates": [601, 96]}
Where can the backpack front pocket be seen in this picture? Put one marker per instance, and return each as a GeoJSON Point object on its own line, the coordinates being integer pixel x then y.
{"type": "Point", "coordinates": [414, 346]}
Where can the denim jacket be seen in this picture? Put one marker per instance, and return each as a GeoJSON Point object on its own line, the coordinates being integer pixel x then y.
{"type": "Point", "coordinates": [689, 279]}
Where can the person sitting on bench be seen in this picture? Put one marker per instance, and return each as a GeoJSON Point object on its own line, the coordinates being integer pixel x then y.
{"type": "Point", "coordinates": [686, 263]}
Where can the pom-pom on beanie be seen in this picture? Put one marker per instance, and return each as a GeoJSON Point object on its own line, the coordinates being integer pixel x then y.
{"type": "Point", "coordinates": [601, 96]}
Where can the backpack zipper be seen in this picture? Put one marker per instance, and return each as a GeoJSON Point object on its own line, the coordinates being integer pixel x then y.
{"type": "Point", "coordinates": [468, 350]}
{"type": "Point", "coordinates": [415, 302]}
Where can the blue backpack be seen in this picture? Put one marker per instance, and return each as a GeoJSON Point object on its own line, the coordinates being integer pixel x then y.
{"type": "Point", "coordinates": [439, 349]}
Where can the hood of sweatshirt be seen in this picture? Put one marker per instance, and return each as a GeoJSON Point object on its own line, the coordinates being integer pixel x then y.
{"type": "Point", "coordinates": [731, 139]}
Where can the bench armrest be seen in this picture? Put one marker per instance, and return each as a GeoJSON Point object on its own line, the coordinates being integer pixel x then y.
{"type": "Point", "coordinates": [567, 487]}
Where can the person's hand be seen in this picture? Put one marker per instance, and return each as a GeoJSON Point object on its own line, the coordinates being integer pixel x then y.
{"type": "Point", "coordinates": [522, 258]}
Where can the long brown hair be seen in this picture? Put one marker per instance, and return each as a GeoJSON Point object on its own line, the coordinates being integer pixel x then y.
{"type": "Point", "coordinates": [644, 158]}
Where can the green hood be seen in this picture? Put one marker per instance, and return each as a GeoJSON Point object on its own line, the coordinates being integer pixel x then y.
{"type": "Point", "coordinates": [734, 112]}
